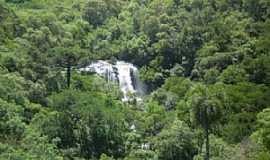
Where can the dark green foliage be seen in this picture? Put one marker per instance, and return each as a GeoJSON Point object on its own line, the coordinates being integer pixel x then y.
{"type": "Point", "coordinates": [96, 12]}
{"type": "Point", "coordinates": [207, 110]}
{"type": "Point", "coordinates": [11, 124]}
{"type": "Point", "coordinates": [205, 64]}
{"type": "Point", "coordinates": [175, 143]}
{"type": "Point", "coordinates": [263, 121]}
{"type": "Point", "coordinates": [16, 1]}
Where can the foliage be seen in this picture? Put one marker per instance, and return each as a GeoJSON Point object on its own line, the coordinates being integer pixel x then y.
{"type": "Point", "coordinates": [175, 142]}
{"type": "Point", "coordinates": [205, 64]}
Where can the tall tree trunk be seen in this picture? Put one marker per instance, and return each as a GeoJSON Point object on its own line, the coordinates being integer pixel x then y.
{"type": "Point", "coordinates": [68, 74]}
{"type": "Point", "coordinates": [207, 144]}
{"type": "Point", "coordinates": [180, 56]}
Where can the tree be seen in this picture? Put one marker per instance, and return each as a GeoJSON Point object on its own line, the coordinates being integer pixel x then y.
{"type": "Point", "coordinates": [13, 88]}
{"type": "Point", "coordinates": [244, 102]}
{"type": "Point", "coordinates": [16, 1]}
{"type": "Point", "coordinates": [175, 142]}
{"type": "Point", "coordinates": [233, 74]}
{"type": "Point", "coordinates": [211, 76]}
{"type": "Point", "coordinates": [97, 11]}
{"type": "Point", "coordinates": [207, 111]}
{"type": "Point", "coordinates": [154, 119]}
{"type": "Point", "coordinates": [259, 69]}
{"type": "Point", "coordinates": [264, 127]}
{"type": "Point", "coordinates": [88, 120]}
{"type": "Point", "coordinates": [12, 127]}
{"type": "Point", "coordinates": [58, 127]}
{"type": "Point", "coordinates": [67, 56]}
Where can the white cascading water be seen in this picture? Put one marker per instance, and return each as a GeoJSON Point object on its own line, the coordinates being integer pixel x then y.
{"type": "Point", "coordinates": [125, 79]}
{"type": "Point", "coordinates": [122, 72]}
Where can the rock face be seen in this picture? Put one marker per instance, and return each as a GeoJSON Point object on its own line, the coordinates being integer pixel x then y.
{"type": "Point", "coordinates": [123, 73]}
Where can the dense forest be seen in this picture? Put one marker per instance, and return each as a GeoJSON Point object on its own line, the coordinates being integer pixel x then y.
{"type": "Point", "coordinates": [205, 63]}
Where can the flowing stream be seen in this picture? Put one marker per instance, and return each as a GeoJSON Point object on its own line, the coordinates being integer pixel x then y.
{"type": "Point", "coordinates": [123, 73]}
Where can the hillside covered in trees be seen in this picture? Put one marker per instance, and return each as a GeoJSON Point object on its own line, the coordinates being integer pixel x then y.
{"type": "Point", "coordinates": [205, 63]}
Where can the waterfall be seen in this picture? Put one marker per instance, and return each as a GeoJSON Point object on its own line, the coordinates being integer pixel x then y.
{"type": "Point", "coordinates": [125, 74]}
{"type": "Point", "coordinates": [125, 79]}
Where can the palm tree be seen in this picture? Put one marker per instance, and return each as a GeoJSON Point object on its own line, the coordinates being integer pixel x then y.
{"type": "Point", "coordinates": [206, 109]}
